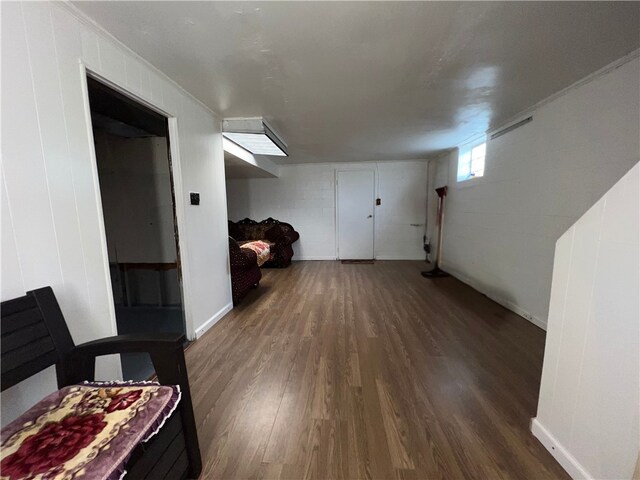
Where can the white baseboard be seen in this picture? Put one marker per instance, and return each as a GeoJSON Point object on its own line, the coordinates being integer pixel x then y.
{"type": "Point", "coordinates": [379, 257]}
{"type": "Point", "coordinates": [398, 257]}
{"type": "Point", "coordinates": [523, 313]}
{"type": "Point", "coordinates": [313, 257]}
{"type": "Point", "coordinates": [559, 452]}
{"type": "Point", "coordinates": [538, 322]}
{"type": "Point", "coordinates": [213, 320]}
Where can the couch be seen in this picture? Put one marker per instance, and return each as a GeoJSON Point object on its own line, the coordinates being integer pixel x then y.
{"type": "Point", "coordinates": [278, 234]}
{"type": "Point", "coordinates": [245, 273]}
{"type": "Point", "coordinates": [145, 429]}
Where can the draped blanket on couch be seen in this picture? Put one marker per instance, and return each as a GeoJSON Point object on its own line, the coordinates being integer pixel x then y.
{"type": "Point", "coordinates": [279, 235]}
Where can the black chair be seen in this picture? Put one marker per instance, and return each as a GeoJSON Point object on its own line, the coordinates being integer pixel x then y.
{"type": "Point", "coordinates": [35, 336]}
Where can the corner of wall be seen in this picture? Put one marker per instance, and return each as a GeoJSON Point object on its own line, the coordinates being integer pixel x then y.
{"type": "Point", "coordinates": [559, 452]}
{"type": "Point", "coordinates": [202, 329]}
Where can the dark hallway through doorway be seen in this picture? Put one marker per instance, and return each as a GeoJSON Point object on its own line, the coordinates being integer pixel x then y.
{"type": "Point", "coordinates": [136, 187]}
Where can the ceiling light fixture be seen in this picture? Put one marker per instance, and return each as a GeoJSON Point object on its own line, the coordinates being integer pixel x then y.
{"type": "Point", "coordinates": [254, 135]}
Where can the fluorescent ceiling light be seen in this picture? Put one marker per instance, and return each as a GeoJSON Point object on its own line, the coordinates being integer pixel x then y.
{"type": "Point", "coordinates": [254, 135]}
{"type": "Point", "coordinates": [256, 143]}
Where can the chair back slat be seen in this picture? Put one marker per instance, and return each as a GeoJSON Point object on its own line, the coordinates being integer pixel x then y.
{"type": "Point", "coordinates": [33, 335]}
{"type": "Point", "coordinates": [23, 336]}
{"type": "Point", "coordinates": [27, 354]}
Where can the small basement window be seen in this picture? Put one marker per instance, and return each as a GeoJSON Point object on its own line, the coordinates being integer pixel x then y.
{"type": "Point", "coordinates": [471, 161]}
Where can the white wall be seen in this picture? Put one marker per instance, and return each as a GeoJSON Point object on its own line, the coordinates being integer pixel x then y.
{"type": "Point", "coordinates": [52, 230]}
{"type": "Point", "coordinates": [588, 411]}
{"type": "Point", "coordinates": [500, 230]}
{"type": "Point", "coordinates": [261, 163]}
{"type": "Point", "coordinates": [304, 195]}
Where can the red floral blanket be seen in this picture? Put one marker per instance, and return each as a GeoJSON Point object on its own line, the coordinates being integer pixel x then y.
{"type": "Point", "coordinates": [262, 249]}
{"type": "Point", "coordinates": [84, 431]}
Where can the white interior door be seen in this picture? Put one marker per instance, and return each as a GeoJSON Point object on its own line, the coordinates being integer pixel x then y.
{"type": "Point", "coordinates": [356, 191]}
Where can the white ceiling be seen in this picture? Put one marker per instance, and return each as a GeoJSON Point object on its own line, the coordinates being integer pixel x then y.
{"type": "Point", "coordinates": [373, 81]}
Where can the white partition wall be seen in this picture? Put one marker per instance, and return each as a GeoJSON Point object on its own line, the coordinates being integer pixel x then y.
{"type": "Point", "coordinates": [588, 412]}
{"type": "Point", "coordinates": [52, 228]}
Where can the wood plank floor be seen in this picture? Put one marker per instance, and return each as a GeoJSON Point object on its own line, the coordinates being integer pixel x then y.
{"type": "Point", "coordinates": [368, 371]}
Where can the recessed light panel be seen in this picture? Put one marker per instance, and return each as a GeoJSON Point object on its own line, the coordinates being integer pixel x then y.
{"type": "Point", "coordinates": [256, 143]}
{"type": "Point", "coordinates": [254, 135]}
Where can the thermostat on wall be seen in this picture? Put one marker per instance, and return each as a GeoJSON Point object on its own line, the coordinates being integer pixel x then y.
{"type": "Point", "coordinates": [195, 198]}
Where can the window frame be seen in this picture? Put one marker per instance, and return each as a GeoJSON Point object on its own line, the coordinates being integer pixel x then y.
{"type": "Point", "coordinates": [467, 150]}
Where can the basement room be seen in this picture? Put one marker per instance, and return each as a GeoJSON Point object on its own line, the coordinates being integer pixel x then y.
{"type": "Point", "coordinates": [320, 240]}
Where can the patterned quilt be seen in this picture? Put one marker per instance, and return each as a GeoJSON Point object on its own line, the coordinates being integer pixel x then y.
{"type": "Point", "coordinates": [262, 249]}
{"type": "Point", "coordinates": [84, 431]}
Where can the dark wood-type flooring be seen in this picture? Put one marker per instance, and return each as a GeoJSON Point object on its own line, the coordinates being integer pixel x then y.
{"type": "Point", "coordinates": [368, 371]}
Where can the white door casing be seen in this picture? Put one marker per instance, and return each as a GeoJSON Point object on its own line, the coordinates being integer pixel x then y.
{"type": "Point", "coordinates": [176, 171]}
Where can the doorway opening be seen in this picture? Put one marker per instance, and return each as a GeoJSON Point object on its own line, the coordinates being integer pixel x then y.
{"type": "Point", "coordinates": [138, 205]}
